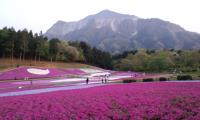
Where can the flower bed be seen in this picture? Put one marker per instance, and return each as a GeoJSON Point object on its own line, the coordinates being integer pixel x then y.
{"type": "Point", "coordinates": [22, 72]}
{"type": "Point", "coordinates": [138, 101]}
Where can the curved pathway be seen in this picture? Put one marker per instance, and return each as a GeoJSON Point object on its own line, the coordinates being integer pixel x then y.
{"type": "Point", "coordinates": [44, 90]}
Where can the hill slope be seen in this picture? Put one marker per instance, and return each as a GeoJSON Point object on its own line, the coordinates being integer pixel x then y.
{"type": "Point", "coordinates": [115, 33]}
{"type": "Point", "coordinates": [9, 64]}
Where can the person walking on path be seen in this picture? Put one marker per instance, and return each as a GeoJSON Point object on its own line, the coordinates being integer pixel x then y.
{"type": "Point", "coordinates": [106, 78]}
{"type": "Point", "coordinates": [31, 81]}
{"type": "Point", "coordinates": [87, 80]}
{"type": "Point", "coordinates": [102, 79]}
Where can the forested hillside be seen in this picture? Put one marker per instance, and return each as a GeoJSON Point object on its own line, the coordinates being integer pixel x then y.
{"type": "Point", "coordinates": [26, 45]}
{"type": "Point", "coordinates": [159, 60]}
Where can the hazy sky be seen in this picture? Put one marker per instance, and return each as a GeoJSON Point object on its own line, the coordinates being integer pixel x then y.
{"type": "Point", "coordinates": [42, 14]}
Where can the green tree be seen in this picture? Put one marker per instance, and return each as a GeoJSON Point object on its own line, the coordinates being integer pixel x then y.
{"type": "Point", "coordinates": [54, 49]}
{"type": "Point", "coordinates": [23, 47]}
{"type": "Point", "coordinates": [5, 43]}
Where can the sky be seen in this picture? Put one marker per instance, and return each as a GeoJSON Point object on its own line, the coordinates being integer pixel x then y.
{"type": "Point", "coordinates": [40, 15]}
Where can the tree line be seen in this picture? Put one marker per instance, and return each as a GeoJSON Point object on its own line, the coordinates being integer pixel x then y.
{"type": "Point", "coordinates": [159, 60]}
{"type": "Point", "coordinates": [23, 44]}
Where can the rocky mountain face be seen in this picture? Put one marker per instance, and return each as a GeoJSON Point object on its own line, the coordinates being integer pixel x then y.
{"type": "Point", "coordinates": [115, 33]}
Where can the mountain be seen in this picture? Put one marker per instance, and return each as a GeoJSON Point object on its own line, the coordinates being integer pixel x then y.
{"type": "Point", "coordinates": [115, 33]}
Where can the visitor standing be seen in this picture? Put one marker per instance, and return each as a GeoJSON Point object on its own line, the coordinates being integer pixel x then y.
{"type": "Point", "coordinates": [87, 80]}
{"type": "Point", "coordinates": [102, 79]}
{"type": "Point", "coordinates": [31, 82]}
{"type": "Point", "coordinates": [106, 78]}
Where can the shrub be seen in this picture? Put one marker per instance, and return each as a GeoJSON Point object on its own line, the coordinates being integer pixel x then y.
{"type": "Point", "coordinates": [162, 79]}
{"type": "Point", "coordinates": [194, 70]}
{"type": "Point", "coordinates": [128, 81]}
{"type": "Point", "coordinates": [184, 77]}
{"type": "Point", "coordinates": [148, 80]}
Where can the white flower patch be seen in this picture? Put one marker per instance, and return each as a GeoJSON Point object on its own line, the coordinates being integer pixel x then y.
{"type": "Point", "coordinates": [68, 80]}
{"type": "Point", "coordinates": [37, 71]}
{"type": "Point", "coordinates": [100, 74]}
{"type": "Point", "coordinates": [90, 70]}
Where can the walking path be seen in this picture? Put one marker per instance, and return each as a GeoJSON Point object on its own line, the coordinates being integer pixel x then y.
{"type": "Point", "coordinates": [44, 90]}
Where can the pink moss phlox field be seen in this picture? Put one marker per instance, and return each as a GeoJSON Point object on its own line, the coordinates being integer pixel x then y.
{"type": "Point", "coordinates": [21, 73]}
{"type": "Point", "coordinates": [137, 101]}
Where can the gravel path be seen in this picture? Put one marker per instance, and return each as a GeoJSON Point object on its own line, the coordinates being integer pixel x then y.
{"type": "Point", "coordinates": [37, 91]}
